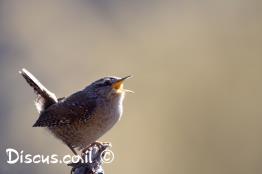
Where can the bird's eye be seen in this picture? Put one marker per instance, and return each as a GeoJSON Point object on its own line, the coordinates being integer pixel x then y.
{"type": "Point", "coordinates": [103, 83]}
{"type": "Point", "coordinates": [107, 82]}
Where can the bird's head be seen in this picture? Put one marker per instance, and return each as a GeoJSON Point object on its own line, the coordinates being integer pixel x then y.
{"type": "Point", "coordinates": [109, 87]}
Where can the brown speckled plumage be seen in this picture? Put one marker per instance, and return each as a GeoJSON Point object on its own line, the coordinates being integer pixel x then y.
{"type": "Point", "coordinates": [83, 117]}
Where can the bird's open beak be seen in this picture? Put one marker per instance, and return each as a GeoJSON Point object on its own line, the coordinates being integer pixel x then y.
{"type": "Point", "coordinates": [119, 84]}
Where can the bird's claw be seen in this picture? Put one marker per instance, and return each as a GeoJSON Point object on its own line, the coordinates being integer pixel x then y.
{"type": "Point", "coordinates": [98, 144]}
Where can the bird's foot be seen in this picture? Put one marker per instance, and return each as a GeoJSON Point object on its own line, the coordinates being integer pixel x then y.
{"type": "Point", "coordinates": [97, 144]}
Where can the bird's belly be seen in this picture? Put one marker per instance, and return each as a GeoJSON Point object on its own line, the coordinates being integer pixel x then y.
{"type": "Point", "coordinates": [80, 134]}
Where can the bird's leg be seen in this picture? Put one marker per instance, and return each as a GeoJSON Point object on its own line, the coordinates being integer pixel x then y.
{"type": "Point", "coordinates": [72, 149]}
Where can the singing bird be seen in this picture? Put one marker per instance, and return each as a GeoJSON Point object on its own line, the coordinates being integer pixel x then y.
{"type": "Point", "coordinates": [83, 117]}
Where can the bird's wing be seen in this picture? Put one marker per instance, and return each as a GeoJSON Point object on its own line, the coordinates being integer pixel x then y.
{"type": "Point", "coordinates": [78, 106]}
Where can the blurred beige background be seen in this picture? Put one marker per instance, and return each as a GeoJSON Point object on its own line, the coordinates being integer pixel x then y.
{"type": "Point", "coordinates": [197, 68]}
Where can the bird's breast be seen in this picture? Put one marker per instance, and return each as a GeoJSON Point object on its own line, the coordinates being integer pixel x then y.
{"type": "Point", "coordinates": [110, 112]}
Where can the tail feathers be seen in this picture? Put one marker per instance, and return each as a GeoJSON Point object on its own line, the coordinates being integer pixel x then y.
{"type": "Point", "coordinates": [44, 97]}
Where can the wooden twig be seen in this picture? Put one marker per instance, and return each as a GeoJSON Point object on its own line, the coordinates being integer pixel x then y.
{"type": "Point", "coordinates": [93, 163]}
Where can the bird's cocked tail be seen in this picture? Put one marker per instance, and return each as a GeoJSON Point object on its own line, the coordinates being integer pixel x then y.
{"type": "Point", "coordinates": [44, 97]}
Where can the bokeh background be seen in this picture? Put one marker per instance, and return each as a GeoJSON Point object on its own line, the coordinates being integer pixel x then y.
{"type": "Point", "coordinates": [197, 68]}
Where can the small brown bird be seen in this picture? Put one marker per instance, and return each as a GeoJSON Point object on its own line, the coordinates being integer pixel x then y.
{"type": "Point", "coordinates": [83, 117]}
